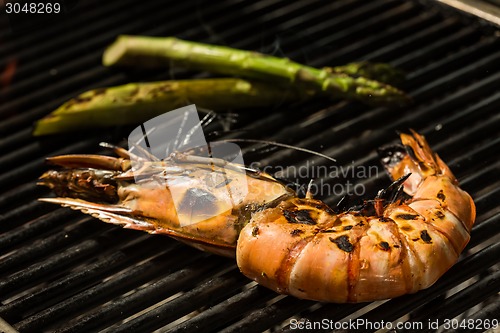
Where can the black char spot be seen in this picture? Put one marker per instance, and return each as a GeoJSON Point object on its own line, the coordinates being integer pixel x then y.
{"type": "Point", "coordinates": [302, 216]}
{"type": "Point", "coordinates": [441, 195]}
{"type": "Point", "coordinates": [440, 214]}
{"type": "Point", "coordinates": [384, 246]}
{"type": "Point", "coordinates": [385, 219]}
{"type": "Point", "coordinates": [290, 216]}
{"type": "Point", "coordinates": [348, 227]}
{"type": "Point", "coordinates": [328, 231]}
{"type": "Point", "coordinates": [425, 236]}
{"type": "Point", "coordinates": [407, 216]}
{"type": "Point", "coordinates": [255, 231]}
{"type": "Point", "coordinates": [343, 243]}
{"type": "Point", "coordinates": [296, 232]}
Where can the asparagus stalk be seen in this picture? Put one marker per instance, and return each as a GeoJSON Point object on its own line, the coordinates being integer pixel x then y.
{"type": "Point", "coordinates": [156, 51]}
{"type": "Point", "coordinates": [374, 71]}
{"type": "Point", "coordinates": [138, 102]}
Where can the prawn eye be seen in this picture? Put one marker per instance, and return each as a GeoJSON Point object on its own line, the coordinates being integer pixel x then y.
{"type": "Point", "coordinates": [198, 202]}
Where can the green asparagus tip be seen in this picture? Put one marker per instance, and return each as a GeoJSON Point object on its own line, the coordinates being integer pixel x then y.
{"type": "Point", "coordinates": [115, 51]}
{"type": "Point", "coordinates": [374, 71]}
{"type": "Point", "coordinates": [390, 97]}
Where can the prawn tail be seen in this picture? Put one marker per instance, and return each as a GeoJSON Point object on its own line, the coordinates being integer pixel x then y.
{"type": "Point", "coordinates": [413, 157]}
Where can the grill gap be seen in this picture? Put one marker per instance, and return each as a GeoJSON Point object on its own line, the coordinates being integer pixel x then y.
{"type": "Point", "coordinates": [453, 77]}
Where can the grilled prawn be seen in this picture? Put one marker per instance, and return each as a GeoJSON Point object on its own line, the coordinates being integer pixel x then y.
{"type": "Point", "coordinates": [302, 248]}
{"type": "Point", "coordinates": [189, 201]}
{"type": "Point", "coordinates": [296, 246]}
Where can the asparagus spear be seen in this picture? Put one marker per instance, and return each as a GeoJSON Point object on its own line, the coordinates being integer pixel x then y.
{"type": "Point", "coordinates": [157, 51]}
{"type": "Point", "coordinates": [138, 102]}
{"type": "Point", "coordinates": [374, 71]}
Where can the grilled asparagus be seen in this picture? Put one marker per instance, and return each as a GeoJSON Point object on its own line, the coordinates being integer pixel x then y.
{"type": "Point", "coordinates": [138, 102]}
{"type": "Point", "coordinates": [160, 51]}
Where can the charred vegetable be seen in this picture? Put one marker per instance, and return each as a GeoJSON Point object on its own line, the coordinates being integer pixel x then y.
{"type": "Point", "coordinates": [272, 81]}
{"type": "Point", "coordinates": [137, 102]}
{"type": "Point", "coordinates": [163, 51]}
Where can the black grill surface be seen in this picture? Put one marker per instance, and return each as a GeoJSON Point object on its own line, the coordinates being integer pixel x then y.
{"type": "Point", "coordinates": [65, 272]}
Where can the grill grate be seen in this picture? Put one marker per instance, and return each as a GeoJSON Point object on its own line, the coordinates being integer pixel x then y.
{"type": "Point", "coordinates": [65, 272]}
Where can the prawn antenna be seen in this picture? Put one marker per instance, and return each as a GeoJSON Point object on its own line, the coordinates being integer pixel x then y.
{"type": "Point", "coordinates": [279, 144]}
{"type": "Point", "coordinates": [309, 194]}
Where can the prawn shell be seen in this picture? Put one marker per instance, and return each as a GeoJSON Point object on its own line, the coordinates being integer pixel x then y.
{"type": "Point", "coordinates": [339, 260]}
{"type": "Point", "coordinates": [351, 257]}
{"type": "Point", "coordinates": [450, 196]}
{"type": "Point", "coordinates": [324, 270]}
{"type": "Point", "coordinates": [443, 221]}
{"type": "Point", "coordinates": [381, 263]}
{"type": "Point", "coordinates": [428, 251]}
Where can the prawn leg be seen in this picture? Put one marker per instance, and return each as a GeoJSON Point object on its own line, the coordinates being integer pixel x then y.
{"type": "Point", "coordinates": [90, 161]}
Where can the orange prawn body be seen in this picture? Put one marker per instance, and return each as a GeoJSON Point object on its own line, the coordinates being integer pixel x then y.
{"type": "Point", "coordinates": [304, 249]}
{"type": "Point", "coordinates": [292, 245]}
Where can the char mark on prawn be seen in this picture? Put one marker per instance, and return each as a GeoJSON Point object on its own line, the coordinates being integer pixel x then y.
{"type": "Point", "coordinates": [407, 216]}
{"type": "Point", "coordinates": [300, 216]}
{"type": "Point", "coordinates": [384, 246]}
{"type": "Point", "coordinates": [343, 243]}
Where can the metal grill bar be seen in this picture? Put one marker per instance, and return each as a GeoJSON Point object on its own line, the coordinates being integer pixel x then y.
{"type": "Point", "coordinates": [79, 77]}
{"type": "Point", "coordinates": [486, 313]}
{"type": "Point", "coordinates": [173, 283]}
{"type": "Point", "coordinates": [201, 296]}
{"type": "Point", "coordinates": [463, 300]}
{"type": "Point", "coordinates": [107, 290]}
{"type": "Point", "coordinates": [57, 265]}
{"type": "Point", "coordinates": [227, 311]}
